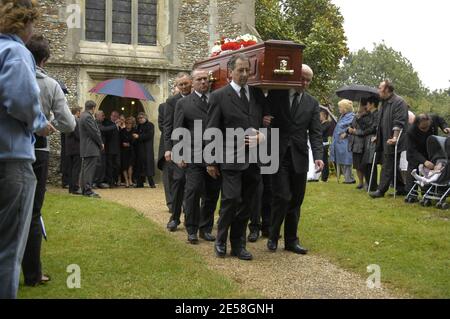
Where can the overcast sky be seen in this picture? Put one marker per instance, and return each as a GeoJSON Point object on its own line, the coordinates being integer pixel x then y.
{"type": "Point", "coordinates": [420, 30]}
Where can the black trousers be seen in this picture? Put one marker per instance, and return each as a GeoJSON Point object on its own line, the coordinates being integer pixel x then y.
{"type": "Point", "coordinates": [287, 200]}
{"type": "Point", "coordinates": [112, 170]}
{"type": "Point", "coordinates": [209, 203]}
{"type": "Point", "coordinates": [239, 194]}
{"type": "Point", "coordinates": [141, 181]}
{"type": "Point", "coordinates": [100, 170]}
{"type": "Point", "coordinates": [178, 184]}
{"type": "Point", "coordinates": [326, 162]}
{"type": "Point", "coordinates": [200, 199]}
{"type": "Point", "coordinates": [31, 263]}
{"type": "Point", "coordinates": [260, 218]}
{"type": "Point", "coordinates": [74, 167]}
{"type": "Point", "coordinates": [87, 173]}
{"type": "Point", "coordinates": [167, 174]}
{"type": "Point", "coordinates": [368, 172]}
{"type": "Point", "coordinates": [387, 173]}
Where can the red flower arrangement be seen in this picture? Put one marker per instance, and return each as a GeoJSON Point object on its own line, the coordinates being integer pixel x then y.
{"type": "Point", "coordinates": [225, 45]}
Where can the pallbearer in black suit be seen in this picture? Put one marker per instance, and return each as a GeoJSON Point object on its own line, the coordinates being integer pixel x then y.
{"type": "Point", "coordinates": [183, 82]}
{"type": "Point", "coordinates": [296, 115]}
{"type": "Point", "coordinates": [189, 112]}
{"type": "Point", "coordinates": [162, 164]}
{"type": "Point", "coordinates": [236, 106]}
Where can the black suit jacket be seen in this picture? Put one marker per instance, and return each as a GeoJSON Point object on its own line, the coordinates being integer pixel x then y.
{"type": "Point", "coordinates": [187, 111]}
{"type": "Point", "coordinates": [161, 115]}
{"type": "Point", "coordinates": [294, 127]}
{"type": "Point", "coordinates": [112, 137]}
{"type": "Point", "coordinates": [169, 115]}
{"type": "Point", "coordinates": [72, 141]}
{"type": "Point", "coordinates": [228, 111]}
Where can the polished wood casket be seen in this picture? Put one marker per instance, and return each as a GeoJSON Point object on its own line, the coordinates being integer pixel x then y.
{"type": "Point", "coordinates": [273, 65]}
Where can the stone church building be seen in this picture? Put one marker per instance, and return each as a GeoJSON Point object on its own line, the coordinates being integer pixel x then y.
{"type": "Point", "coordinates": [147, 41]}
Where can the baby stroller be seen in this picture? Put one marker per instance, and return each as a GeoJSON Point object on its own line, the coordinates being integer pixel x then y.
{"type": "Point", "coordinates": [439, 189]}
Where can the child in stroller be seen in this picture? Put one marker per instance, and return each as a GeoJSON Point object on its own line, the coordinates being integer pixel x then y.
{"type": "Point", "coordinates": [425, 176]}
{"type": "Point", "coordinates": [433, 183]}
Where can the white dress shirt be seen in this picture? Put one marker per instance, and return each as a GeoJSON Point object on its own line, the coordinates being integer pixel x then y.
{"type": "Point", "coordinates": [237, 88]}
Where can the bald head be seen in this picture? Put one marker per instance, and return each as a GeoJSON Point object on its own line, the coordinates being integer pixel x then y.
{"type": "Point", "coordinates": [307, 69]}
{"type": "Point", "coordinates": [306, 78]}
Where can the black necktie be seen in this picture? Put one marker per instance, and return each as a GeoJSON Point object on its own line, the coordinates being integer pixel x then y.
{"type": "Point", "coordinates": [244, 98]}
{"type": "Point", "coordinates": [204, 99]}
{"type": "Point", "coordinates": [294, 102]}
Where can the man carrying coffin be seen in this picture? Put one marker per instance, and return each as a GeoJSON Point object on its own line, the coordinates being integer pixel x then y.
{"type": "Point", "coordinates": [236, 106]}
{"type": "Point", "coordinates": [296, 114]}
{"type": "Point", "coordinates": [191, 113]}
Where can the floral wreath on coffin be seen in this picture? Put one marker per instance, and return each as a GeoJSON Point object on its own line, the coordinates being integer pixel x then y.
{"type": "Point", "coordinates": [226, 45]}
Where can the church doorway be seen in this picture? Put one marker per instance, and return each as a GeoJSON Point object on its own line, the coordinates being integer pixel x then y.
{"type": "Point", "coordinates": [126, 106]}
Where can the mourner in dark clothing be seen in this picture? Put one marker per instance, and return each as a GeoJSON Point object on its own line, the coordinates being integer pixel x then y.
{"type": "Point", "coordinates": [359, 130]}
{"type": "Point", "coordinates": [392, 128]}
{"type": "Point", "coordinates": [73, 155]}
{"type": "Point", "coordinates": [112, 148]}
{"type": "Point", "coordinates": [100, 180]}
{"type": "Point", "coordinates": [297, 115]}
{"type": "Point", "coordinates": [145, 159]}
{"type": "Point", "coordinates": [184, 85]}
{"type": "Point", "coordinates": [370, 145]}
{"type": "Point", "coordinates": [424, 126]}
{"type": "Point", "coordinates": [328, 127]}
{"type": "Point", "coordinates": [163, 165]}
{"type": "Point", "coordinates": [127, 151]}
{"type": "Point", "coordinates": [190, 111]}
{"type": "Point", "coordinates": [236, 106]}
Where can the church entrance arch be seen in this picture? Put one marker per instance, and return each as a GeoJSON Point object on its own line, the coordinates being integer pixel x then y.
{"type": "Point", "coordinates": [126, 106]}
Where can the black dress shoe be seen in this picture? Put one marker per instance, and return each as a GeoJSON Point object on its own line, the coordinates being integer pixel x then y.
{"type": "Point", "coordinates": [272, 245]}
{"type": "Point", "coordinates": [103, 186]}
{"type": "Point", "coordinates": [44, 280]}
{"type": "Point", "coordinates": [376, 194]}
{"type": "Point", "coordinates": [193, 239]}
{"type": "Point", "coordinates": [207, 236]}
{"type": "Point", "coordinates": [76, 191]}
{"type": "Point", "coordinates": [220, 250]}
{"type": "Point", "coordinates": [296, 249]}
{"type": "Point", "coordinates": [173, 225]}
{"type": "Point", "coordinates": [242, 254]}
{"type": "Point", "coordinates": [92, 195]}
{"type": "Point", "coordinates": [253, 237]}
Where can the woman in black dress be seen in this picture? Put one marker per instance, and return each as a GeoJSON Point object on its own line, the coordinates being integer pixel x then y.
{"type": "Point", "coordinates": [359, 130]}
{"type": "Point", "coordinates": [127, 154]}
{"type": "Point", "coordinates": [145, 154]}
{"type": "Point", "coordinates": [327, 131]}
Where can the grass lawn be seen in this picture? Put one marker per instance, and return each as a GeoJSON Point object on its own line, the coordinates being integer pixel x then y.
{"type": "Point", "coordinates": [121, 255]}
{"type": "Point", "coordinates": [410, 243]}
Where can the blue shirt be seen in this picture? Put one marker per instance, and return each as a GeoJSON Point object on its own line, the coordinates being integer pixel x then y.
{"type": "Point", "coordinates": [20, 109]}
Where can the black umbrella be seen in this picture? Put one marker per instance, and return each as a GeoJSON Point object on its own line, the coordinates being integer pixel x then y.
{"type": "Point", "coordinates": [357, 92]}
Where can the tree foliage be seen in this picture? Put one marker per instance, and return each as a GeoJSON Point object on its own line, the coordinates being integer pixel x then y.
{"type": "Point", "coordinates": [383, 62]}
{"type": "Point", "coordinates": [316, 23]}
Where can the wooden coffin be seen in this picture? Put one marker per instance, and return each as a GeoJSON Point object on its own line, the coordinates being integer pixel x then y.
{"type": "Point", "coordinates": [273, 65]}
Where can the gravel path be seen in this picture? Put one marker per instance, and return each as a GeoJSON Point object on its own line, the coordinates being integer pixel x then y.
{"type": "Point", "coordinates": [279, 275]}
